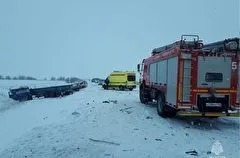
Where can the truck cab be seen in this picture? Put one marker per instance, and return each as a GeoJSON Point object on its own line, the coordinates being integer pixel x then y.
{"type": "Point", "coordinates": [20, 94]}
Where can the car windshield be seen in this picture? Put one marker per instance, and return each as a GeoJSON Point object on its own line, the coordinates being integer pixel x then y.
{"type": "Point", "coordinates": [131, 78]}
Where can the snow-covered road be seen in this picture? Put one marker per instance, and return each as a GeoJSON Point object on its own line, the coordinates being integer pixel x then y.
{"type": "Point", "coordinates": [96, 123]}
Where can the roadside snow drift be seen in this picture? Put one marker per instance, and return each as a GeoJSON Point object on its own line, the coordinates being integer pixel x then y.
{"type": "Point", "coordinates": [96, 123]}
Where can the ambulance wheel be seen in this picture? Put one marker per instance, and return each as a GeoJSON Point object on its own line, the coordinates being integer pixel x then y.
{"type": "Point", "coordinates": [212, 117]}
{"type": "Point", "coordinates": [161, 106]}
{"type": "Point", "coordinates": [105, 87]}
{"type": "Point", "coordinates": [122, 88]}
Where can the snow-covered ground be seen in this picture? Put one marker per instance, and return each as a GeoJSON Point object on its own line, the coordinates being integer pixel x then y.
{"type": "Point", "coordinates": [96, 123]}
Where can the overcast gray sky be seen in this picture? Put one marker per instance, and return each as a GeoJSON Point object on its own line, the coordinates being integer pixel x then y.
{"type": "Point", "coordinates": [44, 38]}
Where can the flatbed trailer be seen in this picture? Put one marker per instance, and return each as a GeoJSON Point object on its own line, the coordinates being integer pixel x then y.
{"type": "Point", "coordinates": [26, 93]}
{"type": "Point", "coordinates": [54, 91]}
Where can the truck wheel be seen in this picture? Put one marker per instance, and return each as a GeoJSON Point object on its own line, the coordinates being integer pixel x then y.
{"type": "Point", "coordinates": [130, 89]}
{"type": "Point", "coordinates": [141, 96]}
{"type": "Point", "coordinates": [161, 106]}
{"type": "Point", "coordinates": [57, 94]}
{"type": "Point", "coordinates": [30, 97]}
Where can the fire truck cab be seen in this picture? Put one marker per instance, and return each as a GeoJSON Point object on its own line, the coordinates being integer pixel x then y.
{"type": "Point", "coordinates": [189, 78]}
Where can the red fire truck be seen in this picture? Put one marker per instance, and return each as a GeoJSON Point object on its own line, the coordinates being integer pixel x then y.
{"type": "Point", "coordinates": [189, 78]}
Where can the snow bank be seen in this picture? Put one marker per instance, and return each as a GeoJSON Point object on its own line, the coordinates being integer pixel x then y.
{"type": "Point", "coordinates": [99, 123]}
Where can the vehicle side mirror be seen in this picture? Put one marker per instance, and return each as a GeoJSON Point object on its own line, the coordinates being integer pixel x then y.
{"type": "Point", "coordinates": [138, 67]}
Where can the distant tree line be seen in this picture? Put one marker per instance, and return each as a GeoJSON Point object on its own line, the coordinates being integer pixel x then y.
{"type": "Point", "coordinates": [66, 79]}
{"type": "Point", "coordinates": [21, 77]}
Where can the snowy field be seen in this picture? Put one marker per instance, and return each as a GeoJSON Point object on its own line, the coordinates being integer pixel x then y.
{"type": "Point", "coordinates": [97, 123]}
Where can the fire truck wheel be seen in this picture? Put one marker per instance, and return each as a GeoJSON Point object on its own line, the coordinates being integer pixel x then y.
{"type": "Point", "coordinates": [161, 106]}
{"type": "Point", "coordinates": [141, 96]}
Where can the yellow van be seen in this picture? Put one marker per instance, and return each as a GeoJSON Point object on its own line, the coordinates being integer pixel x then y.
{"type": "Point", "coordinates": [121, 80]}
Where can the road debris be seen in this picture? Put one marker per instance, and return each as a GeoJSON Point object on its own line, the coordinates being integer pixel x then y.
{"type": "Point", "coordinates": [127, 110]}
{"type": "Point", "coordinates": [76, 113]}
{"type": "Point", "coordinates": [103, 141]}
{"type": "Point", "coordinates": [149, 117]}
{"type": "Point", "coordinates": [192, 152]}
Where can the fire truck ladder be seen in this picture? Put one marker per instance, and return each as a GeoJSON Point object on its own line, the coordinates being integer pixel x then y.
{"type": "Point", "coordinates": [186, 86]}
{"type": "Point", "coordinates": [195, 43]}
